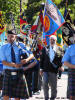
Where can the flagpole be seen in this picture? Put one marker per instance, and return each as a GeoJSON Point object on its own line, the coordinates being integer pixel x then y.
{"type": "Point", "coordinates": [66, 4]}
{"type": "Point", "coordinates": [20, 6]}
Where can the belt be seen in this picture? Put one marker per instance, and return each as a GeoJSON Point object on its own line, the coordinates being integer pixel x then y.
{"type": "Point", "coordinates": [12, 72]}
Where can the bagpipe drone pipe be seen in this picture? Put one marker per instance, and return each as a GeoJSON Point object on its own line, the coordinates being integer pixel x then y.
{"type": "Point", "coordinates": [28, 73]}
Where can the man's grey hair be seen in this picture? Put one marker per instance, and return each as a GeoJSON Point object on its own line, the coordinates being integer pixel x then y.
{"type": "Point", "coordinates": [53, 37]}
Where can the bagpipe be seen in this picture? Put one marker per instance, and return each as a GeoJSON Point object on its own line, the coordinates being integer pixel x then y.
{"type": "Point", "coordinates": [28, 73]}
{"type": "Point", "coordinates": [24, 55]}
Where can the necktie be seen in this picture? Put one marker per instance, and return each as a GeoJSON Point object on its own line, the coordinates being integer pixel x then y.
{"type": "Point", "coordinates": [12, 54]}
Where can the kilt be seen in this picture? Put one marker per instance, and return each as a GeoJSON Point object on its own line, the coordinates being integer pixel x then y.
{"type": "Point", "coordinates": [15, 88]}
{"type": "Point", "coordinates": [71, 80]}
{"type": "Point", "coordinates": [1, 81]}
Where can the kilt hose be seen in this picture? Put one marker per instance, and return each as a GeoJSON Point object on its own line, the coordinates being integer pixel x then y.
{"type": "Point", "coordinates": [1, 81]}
{"type": "Point", "coordinates": [15, 88]}
{"type": "Point", "coordinates": [71, 79]}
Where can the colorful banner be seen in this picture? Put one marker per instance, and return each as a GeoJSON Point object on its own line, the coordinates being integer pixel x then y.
{"type": "Point", "coordinates": [48, 40]}
{"type": "Point", "coordinates": [34, 26]}
{"type": "Point", "coordinates": [53, 19]}
{"type": "Point", "coordinates": [67, 33]}
{"type": "Point", "coordinates": [24, 26]}
{"type": "Point", "coordinates": [37, 29]}
{"type": "Point", "coordinates": [2, 27]}
{"type": "Point", "coordinates": [59, 38]}
{"type": "Point", "coordinates": [2, 38]}
{"type": "Point", "coordinates": [38, 24]}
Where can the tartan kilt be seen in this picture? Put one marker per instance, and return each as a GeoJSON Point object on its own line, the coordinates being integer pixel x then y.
{"type": "Point", "coordinates": [71, 79]}
{"type": "Point", "coordinates": [1, 81]}
{"type": "Point", "coordinates": [15, 89]}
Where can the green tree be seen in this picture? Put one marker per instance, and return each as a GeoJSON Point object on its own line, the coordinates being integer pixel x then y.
{"type": "Point", "coordinates": [8, 7]}
{"type": "Point", "coordinates": [31, 8]}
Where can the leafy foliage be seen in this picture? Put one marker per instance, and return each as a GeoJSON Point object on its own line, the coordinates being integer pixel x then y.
{"type": "Point", "coordinates": [31, 9]}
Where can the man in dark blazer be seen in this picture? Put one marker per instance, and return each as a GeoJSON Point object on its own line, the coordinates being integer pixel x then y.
{"type": "Point", "coordinates": [50, 61]}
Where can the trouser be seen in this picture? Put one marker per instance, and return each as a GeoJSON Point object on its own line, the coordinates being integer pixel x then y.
{"type": "Point", "coordinates": [1, 81]}
{"type": "Point", "coordinates": [39, 82]}
{"type": "Point", "coordinates": [60, 72]}
{"type": "Point", "coordinates": [35, 81]}
{"type": "Point", "coordinates": [49, 78]}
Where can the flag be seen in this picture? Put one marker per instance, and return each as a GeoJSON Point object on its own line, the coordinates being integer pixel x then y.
{"type": "Point", "coordinates": [2, 27]}
{"type": "Point", "coordinates": [67, 13]}
{"type": "Point", "coordinates": [67, 33]}
{"type": "Point", "coordinates": [53, 19]}
{"type": "Point", "coordinates": [44, 38]}
{"type": "Point", "coordinates": [34, 26]}
{"type": "Point", "coordinates": [37, 29]}
{"type": "Point", "coordinates": [2, 38]}
{"type": "Point", "coordinates": [59, 38]}
{"type": "Point", "coordinates": [68, 18]}
{"type": "Point", "coordinates": [24, 26]}
{"type": "Point", "coordinates": [38, 24]}
{"type": "Point", "coordinates": [41, 17]}
{"type": "Point", "coordinates": [48, 40]}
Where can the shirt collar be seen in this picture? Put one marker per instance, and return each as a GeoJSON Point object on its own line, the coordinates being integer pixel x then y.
{"type": "Point", "coordinates": [9, 44]}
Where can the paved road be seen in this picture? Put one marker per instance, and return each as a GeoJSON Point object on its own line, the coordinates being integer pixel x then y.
{"type": "Point", "coordinates": [61, 88]}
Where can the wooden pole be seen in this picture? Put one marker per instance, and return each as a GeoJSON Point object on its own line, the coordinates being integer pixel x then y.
{"type": "Point", "coordinates": [20, 6]}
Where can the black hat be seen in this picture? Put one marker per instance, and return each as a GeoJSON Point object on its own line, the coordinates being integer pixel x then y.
{"type": "Point", "coordinates": [12, 32]}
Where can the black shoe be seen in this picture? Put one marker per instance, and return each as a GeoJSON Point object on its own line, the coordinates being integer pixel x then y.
{"type": "Point", "coordinates": [59, 77]}
{"type": "Point", "coordinates": [46, 98]}
{"type": "Point", "coordinates": [52, 98]}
